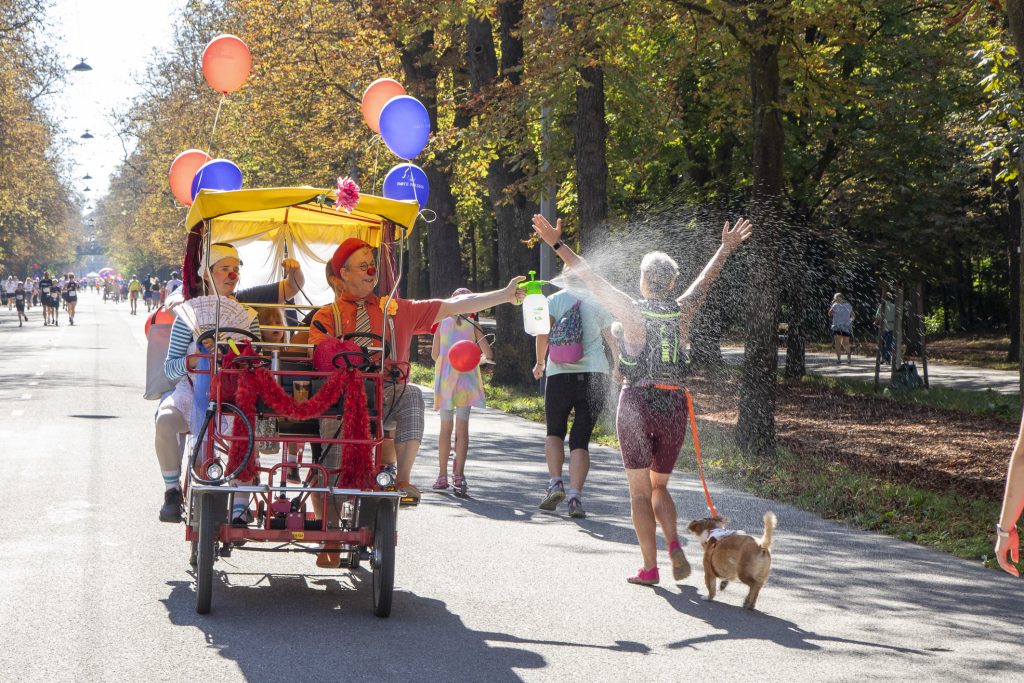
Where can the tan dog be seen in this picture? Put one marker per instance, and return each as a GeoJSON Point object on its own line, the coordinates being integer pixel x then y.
{"type": "Point", "coordinates": [734, 555]}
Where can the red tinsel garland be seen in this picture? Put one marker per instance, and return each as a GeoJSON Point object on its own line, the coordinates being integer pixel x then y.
{"type": "Point", "coordinates": [357, 458]}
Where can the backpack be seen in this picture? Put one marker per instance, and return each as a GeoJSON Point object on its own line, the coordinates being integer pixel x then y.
{"type": "Point", "coordinates": [565, 341]}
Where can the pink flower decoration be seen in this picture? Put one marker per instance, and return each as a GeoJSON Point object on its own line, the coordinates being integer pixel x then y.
{"type": "Point", "coordinates": [348, 195]}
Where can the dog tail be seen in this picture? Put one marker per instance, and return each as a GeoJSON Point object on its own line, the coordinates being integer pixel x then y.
{"type": "Point", "coordinates": [769, 527]}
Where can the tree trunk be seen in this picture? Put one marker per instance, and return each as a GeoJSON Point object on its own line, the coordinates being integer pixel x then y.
{"type": "Point", "coordinates": [505, 177]}
{"type": "Point", "coordinates": [915, 324]}
{"type": "Point", "coordinates": [756, 425]}
{"type": "Point", "coordinates": [897, 330]}
{"type": "Point", "coordinates": [591, 132]}
{"type": "Point", "coordinates": [1015, 15]}
{"type": "Point", "coordinates": [421, 71]}
{"type": "Point", "coordinates": [1013, 241]}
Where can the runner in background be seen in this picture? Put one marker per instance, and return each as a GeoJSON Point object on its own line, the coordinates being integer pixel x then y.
{"type": "Point", "coordinates": [10, 286]}
{"type": "Point", "coordinates": [43, 287]}
{"type": "Point", "coordinates": [134, 288]}
{"type": "Point", "coordinates": [19, 303]}
{"type": "Point", "coordinates": [54, 300]}
{"type": "Point", "coordinates": [71, 297]}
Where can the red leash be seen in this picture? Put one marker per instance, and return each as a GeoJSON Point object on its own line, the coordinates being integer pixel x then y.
{"type": "Point", "coordinates": [696, 448]}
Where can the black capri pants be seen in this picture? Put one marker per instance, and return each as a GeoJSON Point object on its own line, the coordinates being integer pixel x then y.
{"type": "Point", "coordinates": [582, 392]}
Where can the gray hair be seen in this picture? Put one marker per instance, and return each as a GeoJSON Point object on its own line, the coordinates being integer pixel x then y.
{"type": "Point", "coordinates": [659, 268]}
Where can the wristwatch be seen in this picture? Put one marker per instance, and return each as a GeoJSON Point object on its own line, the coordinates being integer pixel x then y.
{"type": "Point", "coordinates": [1001, 533]}
{"type": "Point", "coordinates": [557, 245]}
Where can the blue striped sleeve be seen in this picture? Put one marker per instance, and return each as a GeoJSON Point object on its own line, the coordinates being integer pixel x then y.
{"type": "Point", "coordinates": [177, 349]}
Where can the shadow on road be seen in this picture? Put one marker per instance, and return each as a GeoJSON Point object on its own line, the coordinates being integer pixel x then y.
{"type": "Point", "coordinates": [731, 623]}
{"type": "Point", "coordinates": [275, 626]}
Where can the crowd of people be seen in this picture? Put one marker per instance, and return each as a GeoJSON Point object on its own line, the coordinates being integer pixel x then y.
{"type": "Point", "coordinates": [57, 294]}
{"type": "Point", "coordinates": [53, 294]}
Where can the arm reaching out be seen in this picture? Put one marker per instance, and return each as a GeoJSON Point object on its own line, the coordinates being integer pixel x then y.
{"type": "Point", "coordinates": [618, 303]}
{"type": "Point", "coordinates": [732, 237]}
{"type": "Point", "coordinates": [1013, 504]}
{"type": "Point", "coordinates": [464, 304]}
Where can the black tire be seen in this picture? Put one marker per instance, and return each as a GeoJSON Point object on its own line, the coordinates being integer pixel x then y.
{"type": "Point", "coordinates": [353, 561]}
{"type": "Point", "coordinates": [221, 447]}
{"type": "Point", "coordinates": [382, 560]}
{"type": "Point", "coordinates": [209, 523]}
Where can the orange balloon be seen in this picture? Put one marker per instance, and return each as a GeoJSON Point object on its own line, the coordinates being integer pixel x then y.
{"type": "Point", "coordinates": [226, 63]}
{"type": "Point", "coordinates": [183, 170]}
{"type": "Point", "coordinates": [375, 97]}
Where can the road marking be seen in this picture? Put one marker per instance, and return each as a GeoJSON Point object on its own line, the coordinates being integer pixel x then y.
{"type": "Point", "coordinates": [38, 374]}
{"type": "Point", "coordinates": [25, 397]}
{"type": "Point", "coordinates": [17, 413]}
{"type": "Point", "coordinates": [33, 384]}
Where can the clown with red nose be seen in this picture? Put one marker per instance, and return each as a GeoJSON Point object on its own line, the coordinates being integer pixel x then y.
{"type": "Point", "coordinates": [352, 274]}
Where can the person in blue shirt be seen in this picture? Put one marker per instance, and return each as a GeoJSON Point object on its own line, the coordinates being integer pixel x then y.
{"type": "Point", "coordinates": [579, 388]}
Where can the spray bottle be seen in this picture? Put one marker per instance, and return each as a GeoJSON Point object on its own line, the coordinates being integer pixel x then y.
{"type": "Point", "coordinates": [536, 317]}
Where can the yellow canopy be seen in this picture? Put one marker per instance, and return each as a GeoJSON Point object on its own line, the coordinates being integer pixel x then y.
{"type": "Point", "coordinates": [260, 213]}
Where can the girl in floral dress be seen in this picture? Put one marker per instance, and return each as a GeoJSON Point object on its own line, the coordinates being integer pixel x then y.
{"type": "Point", "coordinates": [455, 393]}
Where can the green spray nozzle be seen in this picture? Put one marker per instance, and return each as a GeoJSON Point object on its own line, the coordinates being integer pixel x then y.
{"type": "Point", "coordinates": [533, 285]}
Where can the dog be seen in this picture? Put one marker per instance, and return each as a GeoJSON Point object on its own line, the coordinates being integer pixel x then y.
{"type": "Point", "coordinates": [731, 555]}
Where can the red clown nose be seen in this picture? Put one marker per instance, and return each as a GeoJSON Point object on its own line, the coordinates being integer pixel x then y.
{"type": "Point", "coordinates": [232, 276]}
{"type": "Point", "coordinates": [371, 271]}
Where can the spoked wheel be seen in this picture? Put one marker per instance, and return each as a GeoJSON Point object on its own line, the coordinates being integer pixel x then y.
{"type": "Point", "coordinates": [211, 513]}
{"type": "Point", "coordinates": [382, 559]}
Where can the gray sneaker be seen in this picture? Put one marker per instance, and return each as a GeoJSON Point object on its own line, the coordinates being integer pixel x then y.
{"type": "Point", "coordinates": [170, 511]}
{"type": "Point", "coordinates": [556, 494]}
{"type": "Point", "coordinates": [576, 508]}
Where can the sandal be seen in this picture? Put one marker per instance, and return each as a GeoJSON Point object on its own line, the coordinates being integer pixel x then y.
{"type": "Point", "coordinates": [329, 557]}
{"type": "Point", "coordinates": [442, 482]}
{"type": "Point", "coordinates": [645, 577]}
{"type": "Point", "coordinates": [410, 494]}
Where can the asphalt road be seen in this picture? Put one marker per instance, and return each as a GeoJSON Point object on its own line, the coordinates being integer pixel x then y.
{"type": "Point", "coordinates": [863, 370]}
{"type": "Point", "coordinates": [94, 588]}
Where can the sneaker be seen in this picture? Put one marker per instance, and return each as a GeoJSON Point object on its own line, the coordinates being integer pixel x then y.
{"type": "Point", "coordinates": [171, 510]}
{"type": "Point", "coordinates": [243, 520]}
{"type": "Point", "coordinates": [576, 508]}
{"type": "Point", "coordinates": [442, 482]}
{"type": "Point", "coordinates": [680, 565]}
{"type": "Point", "coordinates": [556, 494]}
{"type": "Point", "coordinates": [645, 577]}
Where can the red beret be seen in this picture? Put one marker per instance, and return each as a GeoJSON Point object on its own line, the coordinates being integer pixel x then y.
{"type": "Point", "coordinates": [344, 250]}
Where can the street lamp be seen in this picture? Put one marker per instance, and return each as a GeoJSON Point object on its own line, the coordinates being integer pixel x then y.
{"type": "Point", "coordinates": [87, 135]}
{"type": "Point", "coordinates": [81, 66]}
{"type": "Point", "coordinates": [87, 189]}
{"type": "Point", "coordinates": [87, 176]}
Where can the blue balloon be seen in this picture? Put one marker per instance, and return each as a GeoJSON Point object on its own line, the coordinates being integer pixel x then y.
{"type": "Point", "coordinates": [405, 126]}
{"type": "Point", "coordinates": [407, 181]}
{"type": "Point", "coordinates": [218, 174]}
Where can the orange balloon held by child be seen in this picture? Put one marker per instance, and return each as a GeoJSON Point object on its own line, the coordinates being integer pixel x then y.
{"type": "Point", "coordinates": [226, 63]}
{"type": "Point", "coordinates": [464, 355]}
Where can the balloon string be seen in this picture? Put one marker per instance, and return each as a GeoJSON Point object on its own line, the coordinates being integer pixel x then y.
{"type": "Point", "coordinates": [216, 119]}
{"type": "Point", "coordinates": [213, 133]}
{"type": "Point", "coordinates": [376, 159]}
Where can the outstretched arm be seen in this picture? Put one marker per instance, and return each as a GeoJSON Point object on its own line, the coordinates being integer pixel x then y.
{"type": "Point", "coordinates": [464, 304]}
{"type": "Point", "coordinates": [732, 237]}
{"type": "Point", "coordinates": [618, 303]}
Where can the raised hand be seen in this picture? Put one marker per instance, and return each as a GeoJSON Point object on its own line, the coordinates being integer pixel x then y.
{"type": "Point", "coordinates": [543, 228]}
{"type": "Point", "coordinates": [737, 234]}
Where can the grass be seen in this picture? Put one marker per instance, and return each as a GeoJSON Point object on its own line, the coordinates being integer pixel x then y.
{"type": "Point", "coordinates": [951, 523]}
{"type": "Point", "coordinates": [988, 403]}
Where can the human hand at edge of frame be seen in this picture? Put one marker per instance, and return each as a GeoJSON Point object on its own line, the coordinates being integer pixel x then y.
{"type": "Point", "coordinates": [1009, 544]}
{"type": "Point", "coordinates": [735, 235]}
{"type": "Point", "coordinates": [543, 228]}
